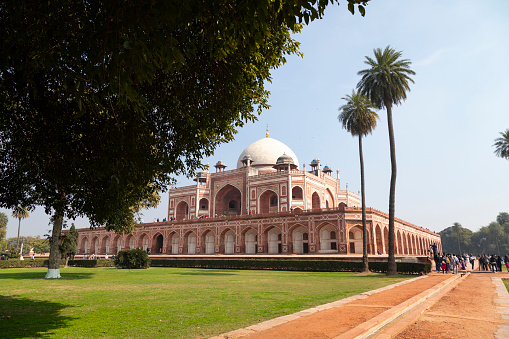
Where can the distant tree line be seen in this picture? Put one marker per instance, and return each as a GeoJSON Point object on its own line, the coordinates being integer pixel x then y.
{"type": "Point", "coordinates": [491, 239]}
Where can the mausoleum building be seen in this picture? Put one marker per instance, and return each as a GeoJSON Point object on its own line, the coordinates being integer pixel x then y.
{"type": "Point", "coordinates": [266, 205]}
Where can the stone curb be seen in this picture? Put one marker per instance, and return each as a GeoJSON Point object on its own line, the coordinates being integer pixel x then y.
{"type": "Point", "coordinates": [502, 301]}
{"type": "Point", "coordinates": [405, 318]}
{"type": "Point", "coordinates": [373, 325]}
{"type": "Point", "coordinates": [287, 318]}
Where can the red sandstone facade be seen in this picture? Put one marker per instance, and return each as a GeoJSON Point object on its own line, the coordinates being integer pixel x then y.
{"type": "Point", "coordinates": [264, 206]}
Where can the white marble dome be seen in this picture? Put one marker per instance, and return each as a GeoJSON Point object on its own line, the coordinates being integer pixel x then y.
{"type": "Point", "coordinates": [265, 153]}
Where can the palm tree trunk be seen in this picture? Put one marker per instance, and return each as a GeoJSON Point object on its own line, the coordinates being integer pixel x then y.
{"type": "Point", "coordinates": [19, 227]}
{"type": "Point", "coordinates": [392, 269]}
{"type": "Point", "coordinates": [365, 264]}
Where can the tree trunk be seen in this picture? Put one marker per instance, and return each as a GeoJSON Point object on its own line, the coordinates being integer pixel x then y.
{"type": "Point", "coordinates": [392, 269]}
{"type": "Point", "coordinates": [365, 264]}
{"type": "Point", "coordinates": [54, 253]}
{"type": "Point", "coordinates": [19, 226]}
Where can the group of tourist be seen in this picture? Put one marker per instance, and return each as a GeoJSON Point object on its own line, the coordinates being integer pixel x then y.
{"type": "Point", "coordinates": [97, 257]}
{"type": "Point", "coordinates": [452, 263]}
{"type": "Point", "coordinates": [446, 263]}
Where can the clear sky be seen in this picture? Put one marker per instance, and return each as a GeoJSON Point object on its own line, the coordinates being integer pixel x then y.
{"type": "Point", "coordinates": [444, 131]}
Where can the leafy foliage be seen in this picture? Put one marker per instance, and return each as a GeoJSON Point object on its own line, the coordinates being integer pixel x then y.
{"type": "Point", "coordinates": [38, 244]}
{"type": "Point", "coordinates": [491, 239]}
{"type": "Point", "coordinates": [502, 145]}
{"type": "Point", "coordinates": [132, 259]}
{"type": "Point", "coordinates": [69, 243]}
{"type": "Point", "coordinates": [3, 227]}
{"type": "Point", "coordinates": [357, 116]}
{"type": "Point", "coordinates": [387, 79]}
{"type": "Point", "coordinates": [102, 103]}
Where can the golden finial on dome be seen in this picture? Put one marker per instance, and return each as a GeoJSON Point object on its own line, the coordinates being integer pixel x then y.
{"type": "Point", "coordinates": [267, 134]}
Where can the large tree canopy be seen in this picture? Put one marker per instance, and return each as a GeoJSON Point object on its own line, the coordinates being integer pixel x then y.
{"type": "Point", "coordinates": [101, 103]}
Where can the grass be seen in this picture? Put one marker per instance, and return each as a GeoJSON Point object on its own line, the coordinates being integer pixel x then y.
{"type": "Point", "coordinates": [162, 302]}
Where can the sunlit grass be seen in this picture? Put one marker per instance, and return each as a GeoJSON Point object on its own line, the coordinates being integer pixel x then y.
{"type": "Point", "coordinates": [162, 302]}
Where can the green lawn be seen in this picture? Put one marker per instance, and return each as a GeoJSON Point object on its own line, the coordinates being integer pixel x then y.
{"type": "Point", "coordinates": [161, 302]}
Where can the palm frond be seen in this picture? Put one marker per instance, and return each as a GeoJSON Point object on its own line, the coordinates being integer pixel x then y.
{"type": "Point", "coordinates": [387, 79]}
{"type": "Point", "coordinates": [502, 145]}
{"type": "Point", "coordinates": [357, 116]}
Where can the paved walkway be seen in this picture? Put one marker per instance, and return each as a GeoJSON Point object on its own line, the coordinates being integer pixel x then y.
{"type": "Point", "coordinates": [410, 309]}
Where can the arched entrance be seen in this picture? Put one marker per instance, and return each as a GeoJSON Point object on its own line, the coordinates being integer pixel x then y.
{"type": "Point", "coordinates": [182, 211]}
{"type": "Point", "coordinates": [297, 193]}
{"type": "Point", "coordinates": [274, 238]}
{"type": "Point", "coordinates": [228, 201]}
{"type": "Point", "coordinates": [251, 238]}
{"type": "Point", "coordinates": [95, 243]}
{"type": "Point", "coordinates": [203, 207]}
{"type": "Point", "coordinates": [328, 239]}
{"type": "Point", "coordinates": [355, 235]}
{"type": "Point", "coordinates": [300, 240]}
{"type": "Point", "coordinates": [329, 202]}
{"type": "Point", "coordinates": [190, 239]}
{"type": "Point", "coordinates": [268, 202]}
{"type": "Point", "coordinates": [229, 242]}
{"type": "Point", "coordinates": [157, 244]}
{"type": "Point", "coordinates": [209, 242]}
{"type": "Point", "coordinates": [173, 243]}
{"type": "Point", "coordinates": [379, 242]}
{"type": "Point", "coordinates": [143, 244]}
{"type": "Point", "coordinates": [315, 201]}
{"type": "Point", "coordinates": [85, 246]}
{"type": "Point", "coordinates": [400, 245]}
{"type": "Point", "coordinates": [106, 245]}
{"type": "Point", "coordinates": [386, 240]}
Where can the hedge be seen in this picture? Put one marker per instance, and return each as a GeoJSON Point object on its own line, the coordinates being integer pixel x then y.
{"type": "Point", "coordinates": [281, 265]}
{"type": "Point", "coordinates": [291, 265]}
{"type": "Point", "coordinates": [16, 263]}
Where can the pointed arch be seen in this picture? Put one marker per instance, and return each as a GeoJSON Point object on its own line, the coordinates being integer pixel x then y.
{"type": "Point", "coordinates": [297, 193]}
{"type": "Point", "coordinates": [173, 243]}
{"type": "Point", "coordinates": [315, 201]}
{"type": "Point", "coordinates": [329, 202]}
{"type": "Point", "coordinates": [157, 243]}
{"type": "Point", "coordinates": [355, 239]}
{"type": "Point", "coordinates": [328, 238]}
{"type": "Point", "coordinates": [182, 211]}
{"type": "Point", "coordinates": [273, 240]}
{"type": "Point", "coordinates": [228, 201]}
{"type": "Point", "coordinates": [299, 238]}
{"type": "Point", "coordinates": [268, 202]}
{"type": "Point", "coordinates": [209, 241]}
{"type": "Point", "coordinates": [250, 237]}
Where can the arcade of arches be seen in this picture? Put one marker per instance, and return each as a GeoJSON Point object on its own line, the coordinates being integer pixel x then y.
{"type": "Point", "coordinates": [308, 232]}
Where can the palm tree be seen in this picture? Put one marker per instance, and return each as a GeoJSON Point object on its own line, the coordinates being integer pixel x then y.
{"type": "Point", "coordinates": [357, 118]}
{"type": "Point", "coordinates": [457, 228]}
{"type": "Point", "coordinates": [502, 145]}
{"type": "Point", "coordinates": [20, 212]}
{"type": "Point", "coordinates": [385, 83]}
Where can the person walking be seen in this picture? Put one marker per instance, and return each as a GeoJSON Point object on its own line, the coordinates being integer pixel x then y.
{"type": "Point", "coordinates": [493, 262]}
{"type": "Point", "coordinates": [472, 261]}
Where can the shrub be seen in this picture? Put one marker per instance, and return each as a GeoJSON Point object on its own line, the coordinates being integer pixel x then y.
{"type": "Point", "coordinates": [16, 263]}
{"type": "Point", "coordinates": [291, 265]}
{"type": "Point", "coordinates": [135, 258]}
